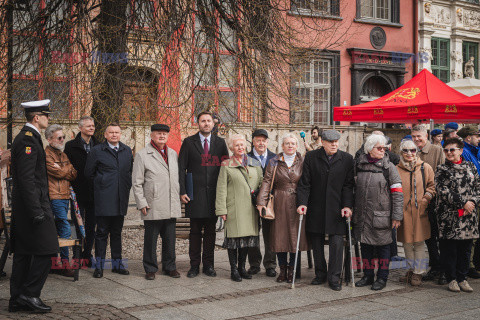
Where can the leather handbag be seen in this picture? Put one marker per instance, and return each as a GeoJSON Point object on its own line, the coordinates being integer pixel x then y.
{"type": "Point", "coordinates": [268, 213]}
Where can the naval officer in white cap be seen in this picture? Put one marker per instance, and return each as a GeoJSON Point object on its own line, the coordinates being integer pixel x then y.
{"type": "Point", "coordinates": [34, 236]}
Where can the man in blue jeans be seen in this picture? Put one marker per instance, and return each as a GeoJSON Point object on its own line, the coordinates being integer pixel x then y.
{"type": "Point", "coordinates": [60, 172]}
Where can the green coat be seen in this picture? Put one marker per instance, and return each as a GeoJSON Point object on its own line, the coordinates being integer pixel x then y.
{"type": "Point", "coordinates": [233, 197]}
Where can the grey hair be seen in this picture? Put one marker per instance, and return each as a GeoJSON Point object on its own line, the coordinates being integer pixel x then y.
{"type": "Point", "coordinates": [378, 132]}
{"type": "Point", "coordinates": [52, 129]}
{"type": "Point", "coordinates": [83, 119]}
{"type": "Point", "coordinates": [372, 141]}
{"type": "Point", "coordinates": [420, 128]}
{"type": "Point", "coordinates": [289, 135]}
{"type": "Point", "coordinates": [235, 137]}
{"type": "Point", "coordinates": [409, 144]}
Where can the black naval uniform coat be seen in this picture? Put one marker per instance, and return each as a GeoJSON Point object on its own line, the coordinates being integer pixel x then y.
{"type": "Point", "coordinates": [30, 197]}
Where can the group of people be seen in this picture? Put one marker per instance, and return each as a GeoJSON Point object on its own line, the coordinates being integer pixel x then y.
{"type": "Point", "coordinates": [418, 197]}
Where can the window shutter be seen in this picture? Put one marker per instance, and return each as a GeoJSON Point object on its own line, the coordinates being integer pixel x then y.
{"type": "Point", "coordinates": [395, 11]}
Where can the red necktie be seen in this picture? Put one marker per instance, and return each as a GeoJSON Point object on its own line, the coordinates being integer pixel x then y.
{"type": "Point", "coordinates": [205, 146]}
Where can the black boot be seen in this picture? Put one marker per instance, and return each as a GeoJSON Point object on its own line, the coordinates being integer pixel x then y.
{"type": "Point", "coordinates": [232, 257]}
{"type": "Point", "coordinates": [242, 258]}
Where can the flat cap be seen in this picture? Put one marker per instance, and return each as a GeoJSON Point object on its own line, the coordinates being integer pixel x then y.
{"type": "Point", "coordinates": [436, 132]}
{"type": "Point", "coordinates": [468, 131]}
{"type": "Point", "coordinates": [452, 125]}
{"type": "Point", "coordinates": [330, 135]}
{"type": "Point", "coordinates": [260, 132]}
{"type": "Point", "coordinates": [160, 127]}
{"type": "Point", "coordinates": [37, 106]}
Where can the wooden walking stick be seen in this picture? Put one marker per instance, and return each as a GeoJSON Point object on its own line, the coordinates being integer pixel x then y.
{"type": "Point", "coordinates": [296, 251]}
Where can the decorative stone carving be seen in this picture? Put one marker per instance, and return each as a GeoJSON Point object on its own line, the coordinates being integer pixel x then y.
{"type": "Point", "coordinates": [470, 68]}
{"type": "Point", "coordinates": [441, 15]}
{"type": "Point", "coordinates": [456, 56]}
{"type": "Point", "coordinates": [378, 38]}
{"type": "Point", "coordinates": [459, 15]}
{"type": "Point", "coordinates": [455, 75]}
{"type": "Point", "coordinates": [428, 7]}
{"type": "Point", "coordinates": [471, 19]}
{"type": "Point", "coordinates": [426, 53]}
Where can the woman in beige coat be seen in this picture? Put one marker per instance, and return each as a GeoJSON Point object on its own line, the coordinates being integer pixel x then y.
{"type": "Point", "coordinates": [284, 228]}
{"type": "Point", "coordinates": [418, 190]}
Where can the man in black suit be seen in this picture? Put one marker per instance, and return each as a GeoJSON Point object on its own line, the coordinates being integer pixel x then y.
{"type": "Point", "coordinates": [261, 152]}
{"type": "Point", "coordinates": [77, 151]}
{"type": "Point", "coordinates": [201, 156]}
{"type": "Point", "coordinates": [326, 190]}
{"type": "Point", "coordinates": [109, 165]}
{"type": "Point", "coordinates": [33, 232]}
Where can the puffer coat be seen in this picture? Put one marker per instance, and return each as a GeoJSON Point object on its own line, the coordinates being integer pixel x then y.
{"type": "Point", "coordinates": [376, 203]}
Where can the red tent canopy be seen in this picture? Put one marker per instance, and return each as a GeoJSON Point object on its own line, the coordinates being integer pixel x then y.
{"type": "Point", "coordinates": [463, 110]}
{"type": "Point", "coordinates": [410, 103]}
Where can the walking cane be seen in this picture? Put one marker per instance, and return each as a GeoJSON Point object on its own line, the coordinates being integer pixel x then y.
{"type": "Point", "coordinates": [296, 252]}
{"type": "Point", "coordinates": [351, 253]}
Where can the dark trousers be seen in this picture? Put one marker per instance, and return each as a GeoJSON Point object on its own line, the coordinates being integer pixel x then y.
{"type": "Point", "coordinates": [254, 254]}
{"type": "Point", "coordinates": [282, 259]}
{"type": "Point", "coordinates": [369, 262]}
{"type": "Point", "coordinates": [455, 257]}
{"type": "Point", "coordinates": [29, 273]}
{"type": "Point", "coordinates": [432, 243]}
{"type": "Point", "coordinates": [108, 226]}
{"type": "Point", "coordinates": [476, 254]}
{"type": "Point", "coordinates": [335, 256]}
{"type": "Point", "coordinates": [166, 229]}
{"type": "Point", "coordinates": [196, 236]}
{"type": "Point", "coordinates": [88, 215]}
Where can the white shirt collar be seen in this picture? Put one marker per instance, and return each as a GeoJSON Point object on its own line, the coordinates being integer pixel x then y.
{"type": "Point", "coordinates": [202, 138]}
{"type": "Point", "coordinates": [112, 146]}
{"type": "Point", "coordinates": [258, 155]}
{"type": "Point", "coordinates": [28, 124]}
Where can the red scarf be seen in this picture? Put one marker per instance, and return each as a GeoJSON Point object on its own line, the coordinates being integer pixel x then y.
{"type": "Point", "coordinates": [458, 162]}
{"type": "Point", "coordinates": [163, 151]}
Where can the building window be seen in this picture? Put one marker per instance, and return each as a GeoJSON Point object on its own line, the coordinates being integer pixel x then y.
{"type": "Point", "coordinates": [311, 92]}
{"type": "Point", "coordinates": [142, 13]}
{"type": "Point", "coordinates": [470, 49]}
{"type": "Point", "coordinates": [215, 78]}
{"type": "Point", "coordinates": [441, 58]}
{"type": "Point", "coordinates": [387, 11]}
{"type": "Point", "coordinates": [315, 7]}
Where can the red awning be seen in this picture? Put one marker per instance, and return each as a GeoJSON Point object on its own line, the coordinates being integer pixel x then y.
{"type": "Point", "coordinates": [410, 103]}
{"type": "Point", "coordinates": [463, 110]}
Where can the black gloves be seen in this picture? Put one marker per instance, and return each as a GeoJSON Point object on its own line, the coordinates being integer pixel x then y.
{"type": "Point", "coordinates": [38, 219]}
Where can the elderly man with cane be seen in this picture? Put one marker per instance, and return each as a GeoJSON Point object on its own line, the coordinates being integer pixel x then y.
{"type": "Point", "coordinates": [327, 174]}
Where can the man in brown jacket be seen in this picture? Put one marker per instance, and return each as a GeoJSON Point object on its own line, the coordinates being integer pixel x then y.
{"type": "Point", "coordinates": [434, 156]}
{"type": "Point", "coordinates": [60, 172]}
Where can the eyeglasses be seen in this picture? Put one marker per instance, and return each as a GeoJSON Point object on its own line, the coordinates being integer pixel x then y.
{"type": "Point", "coordinates": [381, 148]}
{"type": "Point", "coordinates": [61, 138]}
{"type": "Point", "coordinates": [450, 150]}
{"type": "Point", "coordinates": [409, 150]}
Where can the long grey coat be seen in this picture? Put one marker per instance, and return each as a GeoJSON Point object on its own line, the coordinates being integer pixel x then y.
{"type": "Point", "coordinates": [155, 184]}
{"type": "Point", "coordinates": [374, 210]}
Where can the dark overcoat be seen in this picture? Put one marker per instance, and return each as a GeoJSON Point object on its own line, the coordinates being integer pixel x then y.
{"type": "Point", "coordinates": [270, 156]}
{"type": "Point", "coordinates": [30, 197]}
{"type": "Point", "coordinates": [326, 187]}
{"type": "Point", "coordinates": [78, 158]}
{"type": "Point", "coordinates": [205, 172]}
{"type": "Point", "coordinates": [111, 173]}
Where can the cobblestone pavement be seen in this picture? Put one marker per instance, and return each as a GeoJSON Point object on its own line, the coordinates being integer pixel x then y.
{"type": "Point", "coordinates": [133, 297]}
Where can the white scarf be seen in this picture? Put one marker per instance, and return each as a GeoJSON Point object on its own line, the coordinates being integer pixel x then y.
{"type": "Point", "coordinates": [289, 159]}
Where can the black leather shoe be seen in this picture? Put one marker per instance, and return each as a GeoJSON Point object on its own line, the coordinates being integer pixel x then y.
{"type": "Point", "coordinates": [379, 284]}
{"type": "Point", "coordinates": [271, 272]}
{"type": "Point", "coordinates": [98, 273]}
{"type": "Point", "coordinates": [335, 286]}
{"type": "Point", "coordinates": [365, 281]}
{"type": "Point", "coordinates": [431, 275]}
{"type": "Point", "coordinates": [318, 281]}
{"type": "Point", "coordinates": [122, 271]}
{"type": "Point", "coordinates": [442, 279]}
{"type": "Point", "coordinates": [14, 306]}
{"type": "Point", "coordinates": [235, 276]}
{"type": "Point", "coordinates": [255, 270]}
{"type": "Point", "coordinates": [473, 273]}
{"type": "Point", "coordinates": [209, 271]}
{"type": "Point", "coordinates": [193, 272]}
{"type": "Point", "coordinates": [35, 304]}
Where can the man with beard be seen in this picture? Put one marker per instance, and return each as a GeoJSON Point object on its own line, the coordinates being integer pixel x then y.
{"type": "Point", "coordinates": [33, 233]}
{"type": "Point", "coordinates": [60, 172]}
{"type": "Point", "coordinates": [317, 141]}
{"type": "Point", "coordinates": [199, 162]}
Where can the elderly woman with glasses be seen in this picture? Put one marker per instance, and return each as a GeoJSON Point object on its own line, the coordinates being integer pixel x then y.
{"type": "Point", "coordinates": [239, 178]}
{"type": "Point", "coordinates": [60, 173]}
{"type": "Point", "coordinates": [458, 195]}
{"type": "Point", "coordinates": [378, 209]}
{"type": "Point", "coordinates": [418, 190]}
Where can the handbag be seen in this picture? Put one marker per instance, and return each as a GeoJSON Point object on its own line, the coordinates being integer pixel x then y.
{"type": "Point", "coordinates": [268, 213]}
